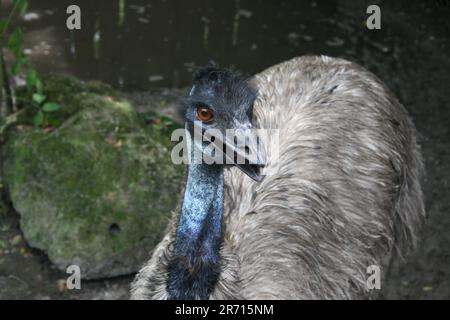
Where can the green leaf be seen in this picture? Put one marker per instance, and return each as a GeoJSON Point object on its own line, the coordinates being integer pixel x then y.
{"type": "Point", "coordinates": [38, 119]}
{"type": "Point", "coordinates": [16, 67]}
{"type": "Point", "coordinates": [22, 58]}
{"type": "Point", "coordinates": [15, 40]}
{"type": "Point", "coordinates": [51, 107]}
{"type": "Point", "coordinates": [23, 5]}
{"type": "Point", "coordinates": [39, 86]}
{"type": "Point", "coordinates": [31, 79]}
{"type": "Point", "coordinates": [2, 26]}
{"type": "Point", "coordinates": [39, 98]}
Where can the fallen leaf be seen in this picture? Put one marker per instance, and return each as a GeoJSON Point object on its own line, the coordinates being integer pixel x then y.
{"type": "Point", "coordinates": [25, 253]}
{"type": "Point", "coordinates": [48, 129]}
{"type": "Point", "coordinates": [62, 285]}
{"type": "Point", "coordinates": [16, 240]}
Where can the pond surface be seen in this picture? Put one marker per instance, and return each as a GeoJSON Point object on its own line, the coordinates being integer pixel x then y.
{"type": "Point", "coordinates": [136, 44]}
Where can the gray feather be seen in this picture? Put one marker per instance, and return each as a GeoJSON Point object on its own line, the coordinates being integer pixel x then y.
{"type": "Point", "coordinates": [344, 194]}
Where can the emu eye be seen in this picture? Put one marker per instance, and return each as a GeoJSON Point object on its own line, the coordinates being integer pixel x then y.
{"type": "Point", "coordinates": [205, 114]}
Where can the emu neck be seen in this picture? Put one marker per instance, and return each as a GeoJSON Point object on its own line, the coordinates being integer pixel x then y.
{"type": "Point", "coordinates": [195, 268]}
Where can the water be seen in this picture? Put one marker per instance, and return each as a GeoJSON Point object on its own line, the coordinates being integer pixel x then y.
{"type": "Point", "coordinates": [135, 44]}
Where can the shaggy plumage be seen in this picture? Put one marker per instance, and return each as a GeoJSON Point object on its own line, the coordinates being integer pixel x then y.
{"type": "Point", "coordinates": [343, 194]}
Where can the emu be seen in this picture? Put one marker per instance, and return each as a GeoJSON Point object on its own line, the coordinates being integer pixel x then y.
{"type": "Point", "coordinates": [343, 194]}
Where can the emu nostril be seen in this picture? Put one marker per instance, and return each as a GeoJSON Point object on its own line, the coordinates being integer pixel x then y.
{"type": "Point", "coordinates": [114, 229]}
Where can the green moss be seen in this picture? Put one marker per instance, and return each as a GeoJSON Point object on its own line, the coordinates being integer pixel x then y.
{"type": "Point", "coordinates": [65, 91]}
{"type": "Point", "coordinates": [98, 190]}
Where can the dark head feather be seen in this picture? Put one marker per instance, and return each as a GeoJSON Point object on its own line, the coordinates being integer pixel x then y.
{"type": "Point", "coordinates": [224, 88]}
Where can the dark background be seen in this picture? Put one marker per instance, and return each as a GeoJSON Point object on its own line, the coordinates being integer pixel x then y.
{"type": "Point", "coordinates": [158, 43]}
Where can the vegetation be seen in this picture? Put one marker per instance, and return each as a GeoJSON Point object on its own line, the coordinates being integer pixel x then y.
{"type": "Point", "coordinates": [95, 188]}
{"type": "Point", "coordinates": [92, 181]}
{"type": "Point", "coordinates": [35, 95]}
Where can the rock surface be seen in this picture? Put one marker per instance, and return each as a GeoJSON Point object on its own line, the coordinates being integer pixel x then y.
{"type": "Point", "coordinates": [96, 190]}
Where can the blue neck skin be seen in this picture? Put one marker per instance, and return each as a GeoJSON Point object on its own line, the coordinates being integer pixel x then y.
{"type": "Point", "coordinates": [194, 270]}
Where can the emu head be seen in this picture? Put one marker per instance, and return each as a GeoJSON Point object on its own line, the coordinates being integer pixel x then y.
{"type": "Point", "coordinates": [220, 106]}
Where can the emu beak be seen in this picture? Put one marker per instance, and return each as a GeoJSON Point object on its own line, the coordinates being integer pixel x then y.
{"type": "Point", "coordinates": [241, 147]}
{"type": "Point", "coordinates": [245, 150]}
{"type": "Point", "coordinates": [253, 171]}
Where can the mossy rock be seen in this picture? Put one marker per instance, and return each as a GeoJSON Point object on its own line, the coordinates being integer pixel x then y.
{"type": "Point", "coordinates": [61, 90]}
{"type": "Point", "coordinates": [97, 191]}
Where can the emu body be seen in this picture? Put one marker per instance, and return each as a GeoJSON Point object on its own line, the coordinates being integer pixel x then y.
{"type": "Point", "coordinates": [343, 194]}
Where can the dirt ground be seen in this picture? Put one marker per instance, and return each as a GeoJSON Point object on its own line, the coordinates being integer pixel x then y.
{"type": "Point", "coordinates": [415, 63]}
{"type": "Point", "coordinates": [421, 79]}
